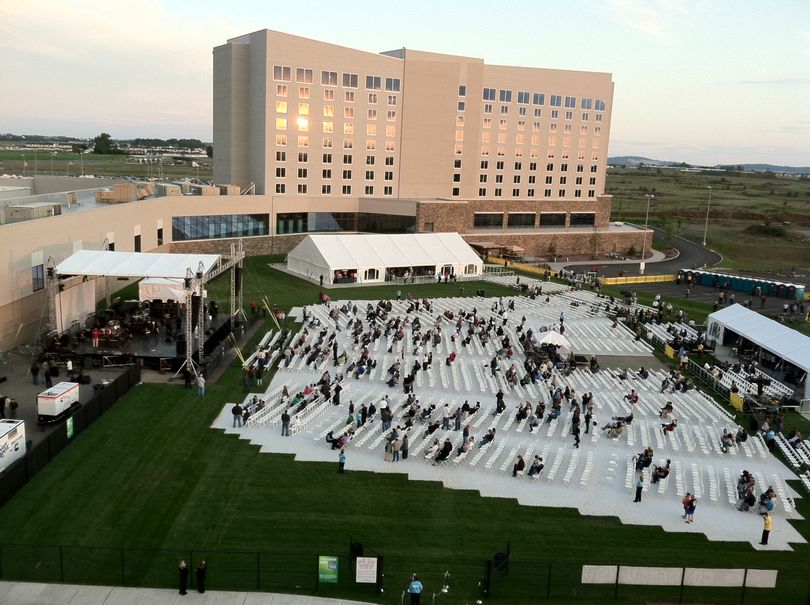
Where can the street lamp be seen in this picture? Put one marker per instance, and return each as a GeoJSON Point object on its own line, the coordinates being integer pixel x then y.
{"type": "Point", "coordinates": [708, 207]}
{"type": "Point", "coordinates": [649, 197]}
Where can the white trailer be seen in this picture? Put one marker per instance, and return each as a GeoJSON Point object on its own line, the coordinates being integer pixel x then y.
{"type": "Point", "coordinates": [12, 442]}
{"type": "Point", "coordinates": [54, 402]}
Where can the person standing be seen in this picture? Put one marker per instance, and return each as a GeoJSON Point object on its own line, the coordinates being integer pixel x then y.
{"type": "Point", "coordinates": [576, 432]}
{"type": "Point", "coordinates": [690, 509]}
{"type": "Point", "coordinates": [183, 577]}
{"type": "Point", "coordinates": [187, 376]}
{"type": "Point", "coordinates": [35, 373]}
{"type": "Point", "coordinates": [767, 520]}
{"type": "Point", "coordinates": [342, 460]}
{"type": "Point", "coordinates": [237, 415]}
{"type": "Point", "coordinates": [639, 487]}
{"type": "Point", "coordinates": [201, 385]}
{"type": "Point", "coordinates": [588, 417]}
{"type": "Point", "coordinates": [403, 448]}
{"type": "Point", "coordinates": [415, 589]}
{"type": "Point", "coordinates": [285, 423]}
{"type": "Point", "coordinates": [201, 568]}
{"type": "Point", "coordinates": [46, 371]}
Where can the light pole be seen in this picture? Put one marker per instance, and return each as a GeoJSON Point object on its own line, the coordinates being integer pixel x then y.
{"type": "Point", "coordinates": [649, 197]}
{"type": "Point", "coordinates": [708, 207]}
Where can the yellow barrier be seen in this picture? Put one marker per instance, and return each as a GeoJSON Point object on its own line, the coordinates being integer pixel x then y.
{"type": "Point", "coordinates": [669, 352]}
{"type": "Point", "coordinates": [493, 260]}
{"type": "Point", "coordinates": [736, 401]}
{"type": "Point", "coordinates": [638, 279]}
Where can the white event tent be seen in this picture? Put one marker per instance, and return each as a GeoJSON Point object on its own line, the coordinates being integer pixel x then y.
{"type": "Point", "coordinates": [367, 258]}
{"type": "Point", "coordinates": [772, 336]}
{"type": "Point", "coordinates": [105, 263]}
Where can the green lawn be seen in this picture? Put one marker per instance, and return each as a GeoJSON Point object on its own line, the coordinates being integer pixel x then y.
{"type": "Point", "coordinates": [150, 483]}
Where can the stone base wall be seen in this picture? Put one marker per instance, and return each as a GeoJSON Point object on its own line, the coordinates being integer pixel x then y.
{"type": "Point", "coordinates": [560, 245]}
{"type": "Point", "coordinates": [253, 246]}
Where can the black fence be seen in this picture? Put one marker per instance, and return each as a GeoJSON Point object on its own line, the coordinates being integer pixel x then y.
{"type": "Point", "coordinates": [36, 458]}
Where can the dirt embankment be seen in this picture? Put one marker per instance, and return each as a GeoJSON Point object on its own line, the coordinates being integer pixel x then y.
{"type": "Point", "coordinates": [743, 215]}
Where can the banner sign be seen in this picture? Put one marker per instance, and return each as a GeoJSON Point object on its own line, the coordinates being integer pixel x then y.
{"type": "Point", "coordinates": [327, 569]}
{"type": "Point", "coordinates": [366, 570]}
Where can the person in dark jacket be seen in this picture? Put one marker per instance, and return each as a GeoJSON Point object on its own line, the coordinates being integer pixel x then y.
{"type": "Point", "coordinates": [201, 568]}
{"type": "Point", "coordinates": [183, 577]}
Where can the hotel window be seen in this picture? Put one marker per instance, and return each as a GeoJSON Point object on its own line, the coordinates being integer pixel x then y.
{"type": "Point", "coordinates": [372, 114]}
{"type": "Point", "coordinates": [281, 172]}
{"type": "Point", "coordinates": [160, 236]}
{"type": "Point", "coordinates": [303, 157]}
{"type": "Point", "coordinates": [371, 130]}
{"type": "Point", "coordinates": [326, 189]}
{"type": "Point", "coordinates": [592, 180]}
{"type": "Point", "coordinates": [329, 127]}
{"type": "Point", "coordinates": [569, 115]}
{"type": "Point", "coordinates": [487, 122]}
{"type": "Point", "coordinates": [369, 175]}
{"type": "Point", "coordinates": [459, 120]}
{"type": "Point", "coordinates": [504, 110]}
{"type": "Point", "coordinates": [281, 90]}
{"type": "Point", "coordinates": [599, 105]}
{"type": "Point", "coordinates": [392, 84]}
{"type": "Point", "coordinates": [597, 131]}
{"type": "Point", "coordinates": [329, 78]}
{"type": "Point", "coordinates": [583, 129]}
{"type": "Point", "coordinates": [567, 128]}
{"type": "Point", "coordinates": [482, 178]}
{"type": "Point", "coordinates": [371, 145]}
{"type": "Point", "coordinates": [390, 131]}
{"type": "Point", "coordinates": [519, 152]}
{"type": "Point", "coordinates": [580, 168]}
{"type": "Point", "coordinates": [392, 100]}
{"type": "Point", "coordinates": [595, 145]}
{"type": "Point", "coordinates": [535, 141]}
{"type": "Point", "coordinates": [389, 175]}
{"type": "Point", "coordinates": [348, 96]}
{"type": "Point", "coordinates": [484, 165]}
{"type": "Point", "coordinates": [521, 111]}
{"type": "Point", "coordinates": [303, 141]}
{"type": "Point", "coordinates": [348, 113]}
{"type": "Point", "coordinates": [373, 82]}
{"type": "Point", "coordinates": [556, 101]}
{"type": "Point", "coordinates": [369, 160]}
{"type": "Point", "coordinates": [457, 163]}
{"type": "Point", "coordinates": [563, 180]}
{"type": "Point", "coordinates": [552, 127]}
{"type": "Point", "coordinates": [326, 173]}
{"type": "Point", "coordinates": [505, 96]}
{"type": "Point", "coordinates": [303, 109]}
{"type": "Point", "coordinates": [462, 90]}
{"type": "Point", "coordinates": [552, 141]}
{"type": "Point", "coordinates": [327, 143]}
{"type": "Point", "coordinates": [302, 188]}
{"type": "Point", "coordinates": [392, 116]}
{"type": "Point", "coordinates": [328, 95]}
{"type": "Point", "coordinates": [328, 111]}
{"type": "Point", "coordinates": [532, 166]}
{"type": "Point", "coordinates": [499, 178]}
{"type": "Point", "coordinates": [561, 193]}
{"type": "Point", "coordinates": [303, 92]}
{"type": "Point", "coordinates": [530, 193]}
{"type": "Point", "coordinates": [591, 193]}
{"type": "Point", "coordinates": [579, 180]}
{"type": "Point", "coordinates": [372, 98]}
{"type": "Point", "coordinates": [346, 190]}
{"type": "Point", "coordinates": [347, 158]}
{"type": "Point", "coordinates": [515, 192]}
{"type": "Point", "coordinates": [499, 165]}
{"type": "Point", "coordinates": [281, 106]}
{"type": "Point", "coordinates": [281, 156]}
{"type": "Point", "coordinates": [520, 140]}
{"type": "Point", "coordinates": [579, 219]}
{"type": "Point", "coordinates": [538, 98]}
{"type": "Point", "coordinates": [518, 165]}
{"type": "Point", "coordinates": [484, 149]}
{"type": "Point", "coordinates": [347, 175]}
{"type": "Point", "coordinates": [388, 190]}
{"type": "Point", "coordinates": [521, 125]}
{"type": "Point", "coordinates": [593, 168]}
{"type": "Point", "coordinates": [538, 113]}
{"type": "Point", "coordinates": [389, 160]}
{"type": "Point", "coordinates": [489, 94]}
{"type": "Point", "coordinates": [585, 117]}
{"type": "Point", "coordinates": [456, 178]}
{"type": "Point", "coordinates": [501, 137]}
{"type": "Point", "coordinates": [459, 135]}
{"type": "Point", "coordinates": [281, 188]}
{"type": "Point", "coordinates": [461, 105]}
{"type": "Point", "coordinates": [303, 76]}
{"type": "Point", "coordinates": [456, 192]}
{"type": "Point", "coordinates": [369, 190]}
{"type": "Point", "coordinates": [532, 179]}
{"type": "Point", "coordinates": [566, 141]}
{"type": "Point", "coordinates": [302, 173]}
{"type": "Point", "coordinates": [555, 114]}
{"type": "Point", "coordinates": [281, 123]}
{"type": "Point", "coordinates": [523, 97]}
{"type": "Point", "coordinates": [516, 179]}
{"type": "Point", "coordinates": [348, 128]}
{"type": "Point", "coordinates": [281, 140]}
{"type": "Point", "coordinates": [585, 103]}
{"type": "Point", "coordinates": [502, 124]}
{"type": "Point", "coordinates": [564, 167]}
{"type": "Point", "coordinates": [570, 101]}
{"type": "Point", "coordinates": [482, 192]}
{"type": "Point", "coordinates": [549, 180]}
{"type": "Point", "coordinates": [282, 73]}
{"type": "Point", "coordinates": [498, 192]}
{"type": "Point", "coordinates": [350, 81]}
{"type": "Point", "coordinates": [547, 193]}
{"type": "Point", "coordinates": [303, 124]}
{"type": "Point", "coordinates": [549, 167]}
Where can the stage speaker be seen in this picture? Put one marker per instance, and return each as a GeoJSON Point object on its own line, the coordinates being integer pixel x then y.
{"type": "Point", "coordinates": [195, 310]}
{"type": "Point", "coordinates": [357, 549]}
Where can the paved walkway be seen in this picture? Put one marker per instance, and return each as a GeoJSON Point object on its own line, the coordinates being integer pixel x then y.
{"type": "Point", "coordinates": [22, 593]}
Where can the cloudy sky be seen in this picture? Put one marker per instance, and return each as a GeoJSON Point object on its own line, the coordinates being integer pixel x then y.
{"type": "Point", "coordinates": [725, 81]}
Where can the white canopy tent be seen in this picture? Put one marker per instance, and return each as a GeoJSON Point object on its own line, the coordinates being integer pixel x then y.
{"type": "Point", "coordinates": [555, 338]}
{"type": "Point", "coordinates": [158, 288]}
{"type": "Point", "coordinates": [770, 335]}
{"type": "Point", "coordinates": [366, 258]}
{"type": "Point", "coordinates": [104, 263]}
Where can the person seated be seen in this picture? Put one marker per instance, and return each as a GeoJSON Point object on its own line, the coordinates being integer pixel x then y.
{"type": "Point", "coordinates": [554, 414]}
{"type": "Point", "coordinates": [665, 411]}
{"type": "Point", "coordinates": [432, 450]}
{"type": "Point", "coordinates": [467, 445]}
{"type": "Point", "coordinates": [475, 408]}
{"type": "Point", "coordinates": [632, 396]}
{"type": "Point", "coordinates": [331, 440]}
{"type": "Point", "coordinates": [488, 438]}
{"type": "Point", "coordinates": [594, 364]}
{"type": "Point", "coordinates": [741, 435]}
{"type": "Point", "coordinates": [536, 467]}
{"type": "Point", "coordinates": [532, 422]}
{"type": "Point", "coordinates": [726, 441]}
{"type": "Point", "coordinates": [795, 439]}
{"type": "Point", "coordinates": [445, 452]}
{"type": "Point", "coordinates": [433, 427]}
{"type": "Point", "coordinates": [519, 466]}
{"type": "Point", "coordinates": [622, 374]}
{"type": "Point", "coordinates": [661, 472]}
{"type": "Point", "coordinates": [644, 459]}
{"type": "Point", "coordinates": [671, 426]}
{"type": "Point", "coordinates": [522, 413]}
{"type": "Point", "coordinates": [643, 374]}
{"type": "Point", "coordinates": [616, 431]}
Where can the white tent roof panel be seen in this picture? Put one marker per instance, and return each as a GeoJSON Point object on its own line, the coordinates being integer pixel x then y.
{"type": "Point", "coordinates": [134, 264]}
{"type": "Point", "coordinates": [777, 338]}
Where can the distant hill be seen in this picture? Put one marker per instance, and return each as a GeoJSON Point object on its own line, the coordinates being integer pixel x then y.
{"type": "Point", "coordinates": [634, 160]}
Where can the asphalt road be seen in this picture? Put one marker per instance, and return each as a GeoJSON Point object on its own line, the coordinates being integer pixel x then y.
{"type": "Point", "coordinates": [691, 255]}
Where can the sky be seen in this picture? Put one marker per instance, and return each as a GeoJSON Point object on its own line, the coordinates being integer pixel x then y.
{"type": "Point", "coordinates": [704, 82]}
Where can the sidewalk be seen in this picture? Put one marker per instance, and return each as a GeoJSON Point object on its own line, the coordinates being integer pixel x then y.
{"type": "Point", "coordinates": [22, 593]}
{"type": "Point", "coordinates": [656, 257]}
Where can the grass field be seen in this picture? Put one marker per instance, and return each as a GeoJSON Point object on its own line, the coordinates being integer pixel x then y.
{"type": "Point", "coordinates": [738, 202]}
{"type": "Point", "coordinates": [150, 482]}
{"type": "Point", "coordinates": [72, 164]}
